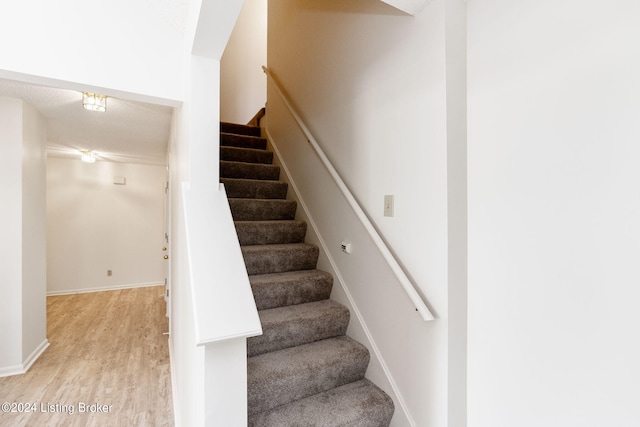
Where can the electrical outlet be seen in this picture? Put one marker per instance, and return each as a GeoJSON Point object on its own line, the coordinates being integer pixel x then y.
{"type": "Point", "coordinates": [109, 273]}
{"type": "Point", "coordinates": [388, 205]}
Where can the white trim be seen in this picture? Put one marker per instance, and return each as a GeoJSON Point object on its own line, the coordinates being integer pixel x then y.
{"type": "Point", "coordinates": [373, 347]}
{"type": "Point", "coordinates": [35, 354]}
{"type": "Point", "coordinates": [106, 288]}
{"type": "Point", "coordinates": [11, 370]}
{"type": "Point", "coordinates": [24, 367]}
{"type": "Point", "coordinates": [174, 387]}
{"type": "Point", "coordinates": [227, 310]}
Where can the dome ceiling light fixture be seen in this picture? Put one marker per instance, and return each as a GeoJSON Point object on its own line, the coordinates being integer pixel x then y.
{"type": "Point", "coordinates": [88, 156]}
{"type": "Point", "coordinates": [94, 102]}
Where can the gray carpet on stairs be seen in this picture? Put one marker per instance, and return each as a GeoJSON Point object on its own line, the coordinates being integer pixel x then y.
{"type": "Point", "coordinates": [270, 232]}
{"type": "Point", "coordinates": [262, 209]}
{"type": "Point", "coordinates": [285, 327]}
{"type": "Point", "coordinates": [238, 129]}
{"type": "Point", "coordinates": [283, 376]}
{"type": "Point", "coordinates": [255, 170]}
{"type": "Point", "coordinates": [263, 259]}
{"type": "Point", "coordinates": [254, 188]}
{"type": "Point", "coordinates": [244, 141]}
{"type": "Point", "coordinates": [357, 404]}
{"type": "Point", "coordinates": [290, 288]}
{"type": "Point", "coordinates": [303, 370]}
{"type": "Point", "coordinates": [249, 155]}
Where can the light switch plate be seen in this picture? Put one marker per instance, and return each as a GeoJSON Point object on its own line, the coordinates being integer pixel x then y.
{"type": "Point", "coordinates": [388, 205]}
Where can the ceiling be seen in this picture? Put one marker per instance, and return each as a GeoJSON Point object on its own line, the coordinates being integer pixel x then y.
{"type": "Point", "coordinates": [129, 131]}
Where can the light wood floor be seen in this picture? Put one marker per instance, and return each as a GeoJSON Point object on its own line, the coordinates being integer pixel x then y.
{"type": "Point", "coordinates": [106, 348]}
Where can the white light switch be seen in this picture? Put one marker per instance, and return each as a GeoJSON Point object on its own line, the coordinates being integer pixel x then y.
{"type": "Point", "coordinates": [388, 205]}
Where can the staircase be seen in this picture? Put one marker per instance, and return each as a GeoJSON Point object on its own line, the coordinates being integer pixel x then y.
{"type": "Point", "coordinates": [303, 370]}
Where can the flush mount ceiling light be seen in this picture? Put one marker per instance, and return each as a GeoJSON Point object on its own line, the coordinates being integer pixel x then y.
{"type": "Point", "coordinates": [88, 157]}
{"type": "Point", "coordinates": [94, 102]}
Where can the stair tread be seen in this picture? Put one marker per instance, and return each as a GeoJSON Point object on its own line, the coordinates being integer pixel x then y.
{"type": "Point", "coordinates": [274, 258]}
{"type": "Point", "coordinates": [263, 201]}
{"type": "Point", "coordinates": [244, 149]}
{"type": "Point", "coordinates": [308, 310]}
{"type": "Point", "coordinates": [278, 246]}
{"type": "Point", "coordinates": [230, 139]}
{"type": "Point", "coordinates": [290, 288]}
{"type": "Point", "coordinates": [256, 181]}
{"type": "Point", "coordinates": [270, 221]}
{"type": "Point", "coordinates": [282, 376]}
{"type": "Point", "coordinates": [254, 188]}
{"type": "Point", "coordinates": [270, 232]}
{"type": "Point", "coordinates": [245, 209]}
{"type": "Point", "coordinates": [240, 129]}
{"type": "Point", "coordinates": [289, 276]}
{"type": "Point", "coordinates": [357, 404]}
{"type": "Point", "coordinates": [248, 155]}
{"type": "Point", "coordinates": [299, 324]}
{"type": "Point", "coordinates": [246, 170]}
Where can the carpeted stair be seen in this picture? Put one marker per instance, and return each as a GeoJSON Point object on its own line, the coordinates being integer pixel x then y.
{"type": "Point", "coordinates": [303, 370]}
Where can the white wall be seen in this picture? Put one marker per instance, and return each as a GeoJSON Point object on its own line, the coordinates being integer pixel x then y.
{"type": "Point", "coordinates": [370, 83]}
{"type": "Point", "coordinates": [187, 360]}
{"type": "Point", "coordinates": [11, 220]}
{"type": "Point", "coordinates": [22, 284]}
{"type": "Point", "coordinates": [193, 160]}
{"type": "Point", "coordinates": [208, 377]}
{"type": "Point", "coordinates": [553, 213]}
{"type": "Point", "coordinates": [94, 225]}
{"type": "Point", "coordinates": [243, 89]}
{"type": "Point", "coordinates": [124, 45]}
{"type": "Point", "coordinates": [457, 194]}
{"type": "Point", "coordinates": [34, 230]}
{"type": "Point", "coordinates": [147, 60]}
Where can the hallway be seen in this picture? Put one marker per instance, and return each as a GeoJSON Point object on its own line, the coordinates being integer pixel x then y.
{"type": "Point", "coordinates": [107, 364]}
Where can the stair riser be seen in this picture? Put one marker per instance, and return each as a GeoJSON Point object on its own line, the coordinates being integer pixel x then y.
{"type": "Point", "coordinates": [292, 378]}
{"type": "Point", "coordinates": [254, 189]}
{"type": "Point", "coordinates": [269, 233]}
{"type": "Point", "coordinates": [299, 328]}
{"type": "Point", "coordinates": [246, 155]}
{"type": "Point", "coordinates": [249, 170]}
{"type": "Point", "coordinates": [279, 290]}
{"type": "Point", "coordinates": [262, 210]}
{"type": "Point", "coordinates": [358, 404]}
{"type": "Point", "coordinates": [227, 127]}
{"type": "Point", "coordinates": [242, 141]}
{"type": "Point", "coordinates": [279, 260]}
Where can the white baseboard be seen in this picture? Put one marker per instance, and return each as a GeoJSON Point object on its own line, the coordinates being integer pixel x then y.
{"type": "Point", "coordinates": [35, 354]}
{"type": "Point", "coordinates": [11, 370]}
{"type": "Point", "coordinates": [102, 289]}
{"type": "Point", "coordinates": [24, 367]}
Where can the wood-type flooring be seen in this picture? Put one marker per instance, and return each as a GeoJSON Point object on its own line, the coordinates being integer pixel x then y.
{"type": "Point", "coordinates": [107, 364]}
